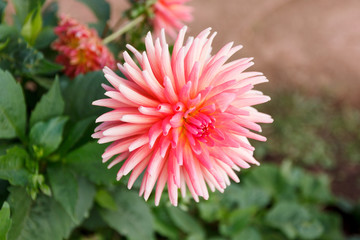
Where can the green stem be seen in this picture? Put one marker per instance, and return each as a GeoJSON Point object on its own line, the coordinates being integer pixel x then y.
{"type": "Point", "coordinates": [124, 29]}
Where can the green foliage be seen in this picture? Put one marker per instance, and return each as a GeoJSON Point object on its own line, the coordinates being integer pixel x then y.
{"type": "Point", "coordinates": [101, 9]}
{"type": "Point", "coordinates": [13, 166]}
{"type": "Point", "coordinates": [51, 105]}
{"type": "Point", "coordinates": [2, 9]}
{"type": "Point", "coordinates": [5, 221]}
{"type": "Point", "coordinates": [86, 160]}
{"type": "Point", "coordinates": [32, 25]}
{"type": "Point", "coordinates": [45, 137]}
{"type": "Point", "coordinates": [132, 217]}
{"type": "Point", "coordinates": [12, 108]}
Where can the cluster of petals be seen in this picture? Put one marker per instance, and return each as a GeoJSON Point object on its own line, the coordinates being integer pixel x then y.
{"type": "Point", "coordinates": [182, 119]}
{"type": "Point", "coordinates": [170, 15]}
{"type": "Point", "coordinates": [80, 48]}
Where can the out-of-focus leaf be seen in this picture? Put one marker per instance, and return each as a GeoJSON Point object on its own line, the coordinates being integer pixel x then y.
{"type": "Point", "coordinates": [248, 234]}
{"type": "Point", "coordinates": [12, 166]}
{"type": "Point", "coordinates": [46, 67]}
{"type": "Point", "coordinates": [32, 25]}
{"type": "Point", "coordinates": [45, 137]}
{"type": "Point", "coordinates": [64, 188]}
{"type": "Point", "coordinates": [186, 222]}
{"type": "Point", "coordinates": [105, 200]}
{"type": "Point", "coordinates": [132, 217]}
{"type": "Point", "coordinates": [81, 92]}
{"type": "Point", "coordinates": [43, 219]}
{"type": "Point", "coordinates": [12, 108]}
{"type": "Point", "coordinates": [237, 221]}
{"type": "Point", "coordinates": [75, 133]}
{"type": "Point", "coordinates": [86, 161]}
{"type": "Point", "coordinates": [5, 221]}
{"type": "Point", "coordinates": [163, 223]}
{"type": "Point", "coordinates": [294, 220]}
{"type": "Point", "coordinates": [51, 105]}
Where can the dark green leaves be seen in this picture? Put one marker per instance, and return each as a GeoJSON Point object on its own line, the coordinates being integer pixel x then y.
{"type": "Point", "coordinates": [43, 219]}
{"type": "Point", "coordinates": [64, 187]}
{"type": "Point", "coordinates": [12, 108]}
{"type": "Point", "coordinates": [132, 217]}
{"type": "Point", "coordinates": [45, 137]}
{"type": "Point", "coordinates": [5, 221]}
{"type": "Point", "coordinates": [86, 160]}
{"type": "Point", "coordinates": [50, 105]}
{"type": "Point", "coordinates": [2, 9]}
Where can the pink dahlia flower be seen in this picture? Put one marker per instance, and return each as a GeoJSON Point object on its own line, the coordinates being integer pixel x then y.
{"type": "Point", "coordinates": [184, 118]}
{"type": "Point", "coordinates": [80, 48]}
{"type": "Point", "coordinates": [169, 14]}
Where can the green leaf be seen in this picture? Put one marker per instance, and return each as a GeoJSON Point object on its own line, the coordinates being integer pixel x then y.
{"type": "Point", "coordinates": [42, 219]}
{"type": "Point", "coordinates": [85, 199]}
{"type": "Point", "coordinates": [86, 161]}
{"type": "Point", "coordinates": [45, 137]}
{"type": "Point", "coordinates": [32, 25]}
{"type": "Point", "coordinates": [51, 105]}
{"type": "Point", "coordinates": [12, 108]}
{"type": "Point", "coordinates": [12, 166]}
{"type": "Point", "coordinates": [64, 188]}
{"type": "Point", "coordinates": [5, 221]}
{"type": "Point", "coordinates": [80, 94]}
{"type": "Point", "coordinates": [248, 234]}
{"type": "Point", "coordinates": [76, 132]}
{"type": "Point", "coordinates": [105, 200]}
{"type": "Point", "coordinates": [44, 40]}
{"type": "Point", "coordinates": [50, 14]}
{"type": "Point", "coordinates": [132, 217]}
{"type": "Point", "coordinates": [163, 223]}
{"type": "Point", "coordinates": [186, 222]}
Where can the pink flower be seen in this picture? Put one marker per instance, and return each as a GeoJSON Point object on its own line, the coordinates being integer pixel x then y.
{"type": "Point", "coordinates": [184, 118]}
{"type": "Point", "coordinates": [80, 48]}
{"type": "Point", "coordinates": [169, 14]}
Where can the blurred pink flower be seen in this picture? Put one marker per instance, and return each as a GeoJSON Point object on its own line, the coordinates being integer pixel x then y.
{"type": "Point", "coordinates": [183, 118]}
{"type": "Point", "coordinates": [80, 48]}
{"type": "Point", "coordinates": [170, 15]}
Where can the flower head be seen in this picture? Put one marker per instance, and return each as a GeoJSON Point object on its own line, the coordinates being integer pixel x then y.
{"type": "Point", "coordinates": [184, 118]}
{"type": "Point", "coordinates": [170, 15]}
{"type": "Point", "coordinates": [80, 48]}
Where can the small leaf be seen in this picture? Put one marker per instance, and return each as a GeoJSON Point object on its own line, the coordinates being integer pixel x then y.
{"type": "Point", "coordinates": [86, 161]}
{"type": "Point", "coordinates": [5, 221]}
{"type": "Point", "coordinates": [132, 217]}
{"type": "Point", "coordinates": [51, 105]}
{"type": "Point", "coordinates": [42, 219]}
{"type": "Point", "coordinates": [2, 9]}
{"type": "Point", "coordinates": [12, 108]}
{"type": "Point", "coordinates": [12, 166]}
{"type": "Point", "coordinates": [45, 66]}
{"type": "Point", "coordinates": [64, 188]}
{"type": "Point", "coordinates": [45, 137]}
{"type": "Point", "coordinates": [163, 223]}
{"type": "Point", "coordinates": [105, 200]}
{"type": "Point", "coordinates": [32, 25]}
{"type": "Point", "coordinates": [248, 234]}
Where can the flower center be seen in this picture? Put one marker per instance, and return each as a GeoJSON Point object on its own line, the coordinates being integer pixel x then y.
{"type": "Point", "coordinates": [200, 125]}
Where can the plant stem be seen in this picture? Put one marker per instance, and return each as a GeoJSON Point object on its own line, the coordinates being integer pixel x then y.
{"type": "Point", "coordinates": [123, 29]}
